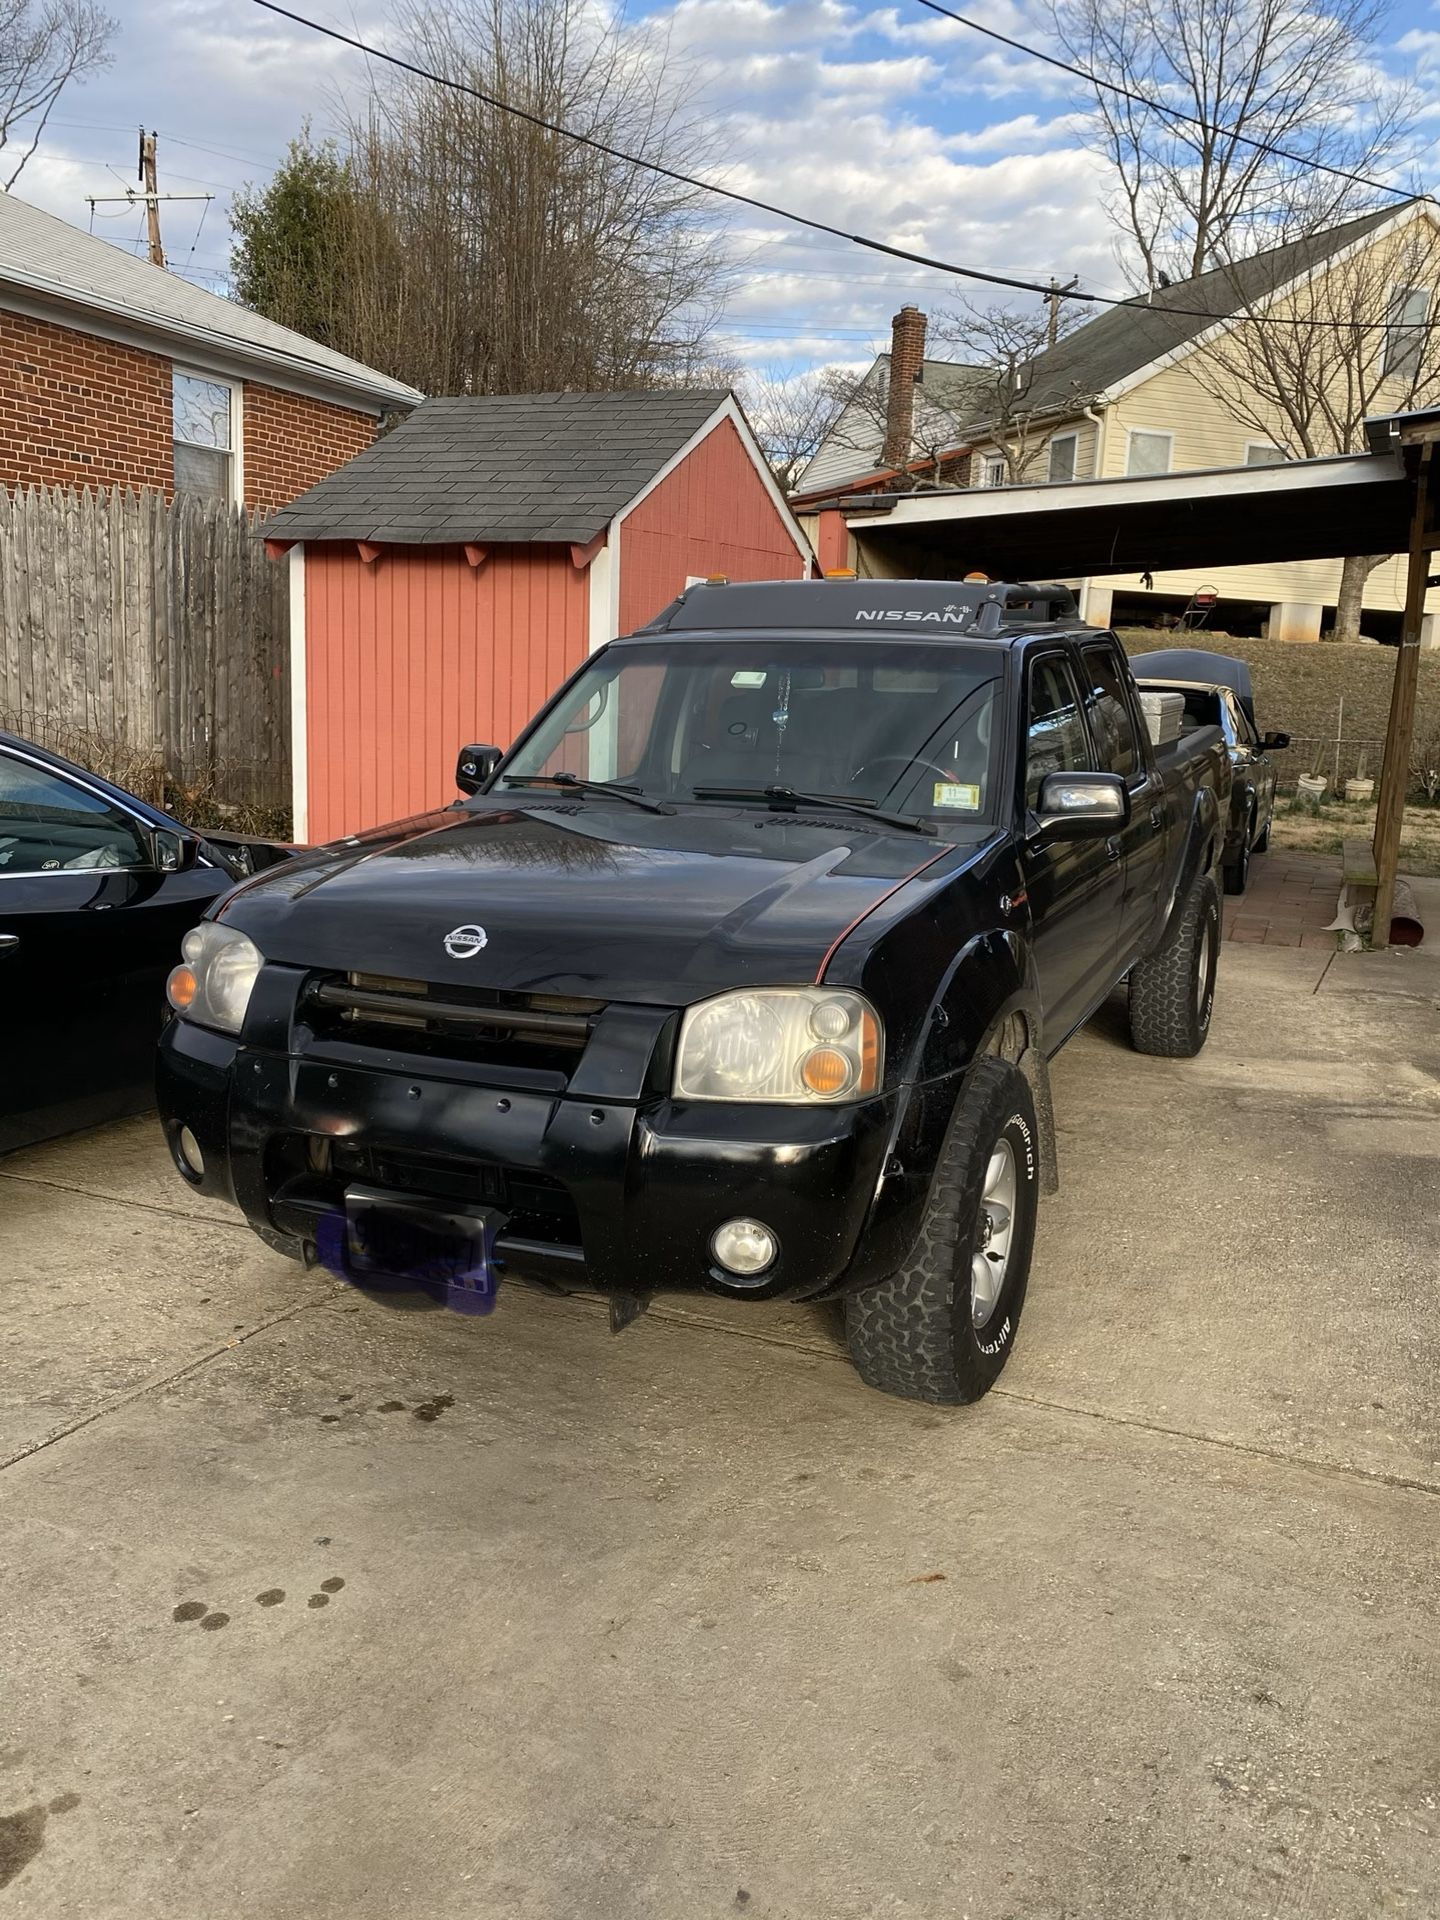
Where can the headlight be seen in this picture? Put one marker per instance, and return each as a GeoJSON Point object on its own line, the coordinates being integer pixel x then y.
{"type": "Point", "coordinates": [810, 1045]}
{"type": "Point", "coordinates": [214, 985]}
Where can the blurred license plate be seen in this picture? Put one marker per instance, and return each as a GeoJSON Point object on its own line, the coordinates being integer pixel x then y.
{"type": "Point", "coordinates": [393, 1236]}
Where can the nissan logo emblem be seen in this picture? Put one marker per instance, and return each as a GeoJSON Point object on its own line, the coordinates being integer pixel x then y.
{"type": "Point", "coordinates": [463, 943]}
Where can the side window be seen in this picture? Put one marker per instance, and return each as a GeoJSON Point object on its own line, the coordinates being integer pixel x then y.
{"type": "Point", "coordinates": [49, 825]}
{"type": "Point", "coordinates": [1055, 739]}
{"type": "Point", "coordinates": [1244, 732]}
{"type": "Point", "coordinates": [1108, 712]}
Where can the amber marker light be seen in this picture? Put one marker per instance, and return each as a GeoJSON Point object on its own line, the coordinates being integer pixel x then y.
{"type": "Point", "coordinates": [827, 1070]}
{"type": "Point", "coordinates": [180, 989]}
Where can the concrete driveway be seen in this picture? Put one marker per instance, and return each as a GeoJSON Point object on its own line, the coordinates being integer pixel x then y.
{"type": "Point", "coordinates": [318, 1609]}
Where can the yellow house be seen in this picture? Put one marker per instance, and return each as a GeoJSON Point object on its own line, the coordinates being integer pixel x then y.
{"type": "Point", "coordinates": [1311, 338]}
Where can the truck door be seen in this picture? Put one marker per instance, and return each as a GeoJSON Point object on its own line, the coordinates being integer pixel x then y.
{"type": "Point", "coordinates": [1115, 731]}
{"type": "Point", "coordinates": [1074, 886]}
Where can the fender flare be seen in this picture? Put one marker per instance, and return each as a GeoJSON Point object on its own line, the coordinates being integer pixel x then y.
{"type": "Point", "coordinates": [1204, 847]}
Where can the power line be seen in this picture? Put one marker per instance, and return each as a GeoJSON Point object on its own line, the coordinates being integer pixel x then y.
{"type": "Point", "coordinates": [1173, 113]}
{"type": "Point", "coordinates": [1011, 281]}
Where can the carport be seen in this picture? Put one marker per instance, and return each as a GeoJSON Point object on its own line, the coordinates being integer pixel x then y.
{"type": "Point", "coordinates": [1375, 502]}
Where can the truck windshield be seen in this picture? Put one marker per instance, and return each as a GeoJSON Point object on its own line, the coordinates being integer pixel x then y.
{"type": "Point", "coordinates": [906, 727]}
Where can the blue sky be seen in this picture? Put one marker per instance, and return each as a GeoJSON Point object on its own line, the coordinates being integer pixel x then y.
{"type": "Point", "coordinates": [878, 118]}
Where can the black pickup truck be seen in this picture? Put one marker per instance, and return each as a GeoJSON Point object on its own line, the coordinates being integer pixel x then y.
{"type": "Point", "coordinates": [739, 972]}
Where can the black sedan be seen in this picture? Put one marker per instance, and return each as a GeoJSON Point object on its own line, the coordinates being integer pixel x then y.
{"type": "Point", "coordinates": [97, 889]}
{"type": "Point", "coordinates": [1217, 692]}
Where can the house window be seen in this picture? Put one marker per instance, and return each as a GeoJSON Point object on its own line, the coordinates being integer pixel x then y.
{"type": "Point", "coordinates": [1062, 456]}
{"type": "Point", "coordinates": [1260, 453]}
{"type": "Point", "coordinates": [204, 436]}
{"type": "Point", "coordinates": [1148, 452]}
{"type": "Point", "coordinates": [992, 471]}
{"type": "Point", "coordinates": [1405, 336]}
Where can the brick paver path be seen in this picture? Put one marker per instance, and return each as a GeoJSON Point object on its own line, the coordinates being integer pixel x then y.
{"type": "Point", "coordinates": [1290, 899]}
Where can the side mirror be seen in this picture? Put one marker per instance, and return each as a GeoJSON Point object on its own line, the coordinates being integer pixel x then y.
{"type": "Point", "coordinates": [1274, 742]}
{"type": "Point", "coordinates": [172, 851]}
{"type": "Point", "coordinates": [1081, 806]}
{"type": "Point", "coordinates": [475, 766]}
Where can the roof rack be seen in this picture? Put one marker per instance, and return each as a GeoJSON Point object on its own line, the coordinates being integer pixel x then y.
{"type": "Point", "coordinates": [917, 607]}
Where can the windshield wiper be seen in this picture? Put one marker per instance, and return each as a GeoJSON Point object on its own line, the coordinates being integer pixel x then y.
{"type": "Point", "coordinates": [789, 797]}
{"type": "Point", "coordinates": [577, 785]}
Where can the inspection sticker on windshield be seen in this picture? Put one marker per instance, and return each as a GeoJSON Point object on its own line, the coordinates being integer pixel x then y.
{"type": "Point", "coordinates": [966, 798]}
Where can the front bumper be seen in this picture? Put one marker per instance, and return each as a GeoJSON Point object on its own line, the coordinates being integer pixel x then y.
{"type": "Point", "coordinates": [597, 1193]}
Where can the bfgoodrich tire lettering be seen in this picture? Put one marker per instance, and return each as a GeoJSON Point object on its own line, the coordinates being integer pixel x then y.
{"type": "Point", "coordinates": [1172, 994]}
{"type": "Point", "coordinates": [914, 1334]}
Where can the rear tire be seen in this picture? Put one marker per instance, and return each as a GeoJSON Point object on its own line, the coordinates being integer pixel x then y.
{"type": "Point", "coordinates": [1172, 993]}
{"type": "Point", "coordinates": [942, 1328]}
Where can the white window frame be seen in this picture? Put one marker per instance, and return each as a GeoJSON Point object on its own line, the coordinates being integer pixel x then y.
{"type": "Point", "coordinates": [1270, 447]}
{"type": "Point", "coordinates": [1394, 334]}
{"type": "Point", "coordinates": [237, 420]}
{"type": "Point", "coordinates": [1058, 440]}
{"type": "Point", "coordinates": [989, 460]}
{"type": "Point", "coordinates": [1150, 433]}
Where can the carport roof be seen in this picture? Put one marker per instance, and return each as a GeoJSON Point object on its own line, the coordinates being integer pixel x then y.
{"type": "Point", "coordinates": [1304, 510]}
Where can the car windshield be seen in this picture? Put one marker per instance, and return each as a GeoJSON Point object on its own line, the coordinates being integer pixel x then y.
{"type": "Point", "coordinates": [903, 726]}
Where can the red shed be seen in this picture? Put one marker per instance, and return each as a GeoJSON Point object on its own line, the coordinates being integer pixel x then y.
{"type": "Point", "coordinates": [445, 581]}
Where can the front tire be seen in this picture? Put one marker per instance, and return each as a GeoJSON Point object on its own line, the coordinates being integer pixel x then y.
{"type": "Point", "coordinates": [942, 1328]}
{"type": "Point", "coordinates": [1172, 993]}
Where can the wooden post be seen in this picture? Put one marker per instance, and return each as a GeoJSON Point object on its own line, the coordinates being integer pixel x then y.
{"type": "Point", "coordinates": [1395, 772]}
{"type": "Point", "coordinates": [150, 181]}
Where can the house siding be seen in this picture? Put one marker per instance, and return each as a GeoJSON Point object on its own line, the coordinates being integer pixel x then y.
{"type": "Point", "coordinates": [80, 411]}
{"type": "Point", "coordinates": [410, 657]}
{"type": "Point", "coordinates": [713, 514]}
{"type": "Point", "coordinates": [1180, 400]}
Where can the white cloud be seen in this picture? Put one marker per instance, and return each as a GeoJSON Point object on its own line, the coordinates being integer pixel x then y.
{"type": "Point", "coordinates": [871, 120]}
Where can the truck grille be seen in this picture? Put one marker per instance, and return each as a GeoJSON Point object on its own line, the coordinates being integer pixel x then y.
{"type": "Point", "coordinates": [536, 1034]}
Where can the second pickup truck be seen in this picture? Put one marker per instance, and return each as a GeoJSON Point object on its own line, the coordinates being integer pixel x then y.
{"type": "Point", "coordinates": [741, 971]}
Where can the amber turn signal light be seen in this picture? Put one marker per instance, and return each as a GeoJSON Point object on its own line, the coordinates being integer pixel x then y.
{"type": "Point", "coordinates": [180, 989]}
{"type": "Point", "coordinates": [827, 1070]}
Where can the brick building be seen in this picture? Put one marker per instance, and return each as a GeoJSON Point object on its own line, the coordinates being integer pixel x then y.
{"type": "Point", "coordinates": [114, 372]}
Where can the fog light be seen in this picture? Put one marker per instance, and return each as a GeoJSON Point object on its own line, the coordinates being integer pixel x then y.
{"type": "Point", "coordinates": [744, 1246]}
{"type": "Point", "coordinates": [192, 1160]}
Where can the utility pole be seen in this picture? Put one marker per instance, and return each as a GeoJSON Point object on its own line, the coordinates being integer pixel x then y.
{"type": "Point", "coordinates": [152, 197]}
{"type": "Point", "coordinates": [149, 196]}
{"type": "Point", "coordinates": [1052, 300]}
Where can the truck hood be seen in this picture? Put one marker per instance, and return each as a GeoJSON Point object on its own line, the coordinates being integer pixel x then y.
{"type": "Point", "coordinates": [592, 899]}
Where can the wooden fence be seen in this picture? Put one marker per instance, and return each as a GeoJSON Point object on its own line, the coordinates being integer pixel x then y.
{"type": "Point", "coordinates": [147, 638]}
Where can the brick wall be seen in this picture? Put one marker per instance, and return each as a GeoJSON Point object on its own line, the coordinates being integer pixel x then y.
{"type": "Point", "coordinates": [77, 411]}
{"type": "Point", "coordinates": [80, 412]}
{"type": "Point", "coordinates": [291, 442]}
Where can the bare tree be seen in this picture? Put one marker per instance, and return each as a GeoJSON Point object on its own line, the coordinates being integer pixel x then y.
{"type": "Point", "coordinates": [42, 49]}
{"type": "Point", "coordinates": [1015, 397]}
{"type": "Point", "coordinates": [486, 254]}
{"type": "Point", "coordinates": [1316, 351]}
{"type": "Point", "coordinates": [791, 414]}
{"type": "Point", "coordinates": [1191, 195]}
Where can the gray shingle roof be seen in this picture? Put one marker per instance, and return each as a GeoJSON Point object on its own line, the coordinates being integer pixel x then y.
{"type": "Point", "coordinates": [1122, 340]}
{"type": "Point", "coordinates": [47, 259]}
{"type": "Point", "coordinates": [508, 467]}
{"type": "Point", "coordinates": [1098, 356]}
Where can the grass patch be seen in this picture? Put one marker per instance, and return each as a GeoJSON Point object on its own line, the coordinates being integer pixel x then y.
{"type": "Point", "coordinates": [1321, 829]}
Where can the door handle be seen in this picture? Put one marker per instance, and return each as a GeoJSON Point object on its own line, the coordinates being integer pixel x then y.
{"type": "Point", "coordinates": [1112, 847]}
{"type": "Point", "coordinates": [1157, 818]}
{"type": "Point", "coordinates": [9, 942]}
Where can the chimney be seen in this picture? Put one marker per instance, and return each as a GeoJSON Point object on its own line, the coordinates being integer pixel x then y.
{"type": "Point", "coordinates": [907, 363]}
